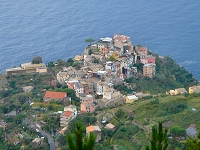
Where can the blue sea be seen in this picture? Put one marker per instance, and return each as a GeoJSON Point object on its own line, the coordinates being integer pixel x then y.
{"type": "Point", "coordinates": [58, 29]}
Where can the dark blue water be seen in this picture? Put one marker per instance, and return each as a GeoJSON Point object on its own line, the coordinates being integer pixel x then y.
{"type": "Point", "coordinates": [58, 29]}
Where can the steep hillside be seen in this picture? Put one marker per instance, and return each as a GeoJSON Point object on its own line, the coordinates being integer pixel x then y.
{"type": "Point", "coordinates": [169, 75]}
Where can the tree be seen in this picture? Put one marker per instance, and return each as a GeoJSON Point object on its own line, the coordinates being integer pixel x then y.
{"type": "Point", "coordinates": [37, 60]}
{"type": "Point", "coordinates": [89, 40]}
{"type": "Point", "coordinates": [159, 139]}
{"type": "Point", "coordinates": [178, 131]}
{"type": "Point", "coordinates": [120, 113]}
{"type": "Point", "coordinates": [193, 144]}
{"type": "Point", "coordinates": [78, 142]}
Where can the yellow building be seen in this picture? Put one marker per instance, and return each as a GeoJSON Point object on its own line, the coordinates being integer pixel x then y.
{"type": "Point", "coordinates": [194, 89]}
{"type": "Point", "coordinates": [131, 98]}
{"type": "Point", "coordinates": [78, 57]}
{"type": "Point", "coordinates": [115, 55]}
{"type": "Point", "coordinates": [149, 70]}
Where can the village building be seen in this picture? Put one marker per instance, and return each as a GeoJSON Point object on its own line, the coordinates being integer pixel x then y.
{"type": "Point", "coordinates": [149, 70]}
{"type": "Point", "coordinates": [191, 131]}
{"type": "Point", "coordinates": [92, 84]}
{"type": "Point", "coordinates": [31, 68]}
{"type": "Point", "coordinates": [110, 126]}
{"type": "Point", "coordinates": [15, 71]}
{"type": "Point", "coordinates": [140, 94]}
{"type": "Point", "coordinates": [110, 65]}
{"type": "Point", "coordinates": [151, 59]}
{"type": "Point", "coordinates": [172, 92]}
{"type": "Point", "coordinates": [27, 89]}
{"type": "Point", "coordinates": [66, 117]}
{"type": "Point", "coordinates": [42, 69]}
{"type": "Point", "coordinates": [36, 142]}
{"type": "Point", "coordinates": [142, 52]}
{"type": "Point", "coordinates": [49, 95]}
{"type": "Point", "coordinates": [105, 51]}
{"type": "Point", "coordinates": [63, 130]}
{"type": "Point", "coordinates": [100, 87]}
{"type": "Point", "coordinates": [122, 41]}
{"type": "Point", "coordinates": [71, 108]}
{"type": "Point", "coordinates": [110, 97]}
{"type": "Point", "coordinates": [78, 88]}
{"type": "Point", "coordinates": [85, 87]}
{"type": "Point", "coordinates": [62, 76]}
{"type": "Point", "coordinates": [96, 130]}
{"type": "Point", "coordinates": [78, 57]}
{"type": "Point", "coordinates": [131, 98]}
{"type": "Point", "coordinates": [194, 89]}
{"type": "Point", "coordinates": [87, 103]}
{"type": "Point", "coordinates": [180, 91]}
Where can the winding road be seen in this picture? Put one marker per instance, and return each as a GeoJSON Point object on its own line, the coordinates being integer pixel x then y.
{"type": "Point", "coordinates": [49, 137]}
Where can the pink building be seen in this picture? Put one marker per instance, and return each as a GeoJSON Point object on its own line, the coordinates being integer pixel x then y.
{"type": "Point", "coordinates": [151, 59]}
{"type": "Point", "coordinates": [142, 51]}
{"type": "Point", "coordinates": [87, 104]}
{"type": "Point", "coordinates": [70, 85]}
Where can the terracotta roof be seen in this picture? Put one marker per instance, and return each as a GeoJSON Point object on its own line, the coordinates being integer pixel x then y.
{"type": "Point", "coordinates": [67, 114]}
{"type": "Point", "coordinates": [90, 129]}
{"type": "Point", "coordinates": [55, 95]}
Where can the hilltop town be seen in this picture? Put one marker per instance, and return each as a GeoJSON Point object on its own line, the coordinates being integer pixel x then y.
{"type": "Point", "coordinates": [103, 87]}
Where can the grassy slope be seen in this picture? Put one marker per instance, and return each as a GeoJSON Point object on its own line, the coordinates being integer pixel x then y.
{"type": "Point", "coordinates": [155, 112]}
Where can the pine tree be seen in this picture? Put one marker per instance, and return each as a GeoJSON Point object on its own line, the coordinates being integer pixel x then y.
{"type": "Point", "coordinates": [77, 141]}
{"type": "Point", "coordinates": [159, 139]}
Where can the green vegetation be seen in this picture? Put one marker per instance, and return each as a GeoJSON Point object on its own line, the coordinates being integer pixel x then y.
{"type": "Point", "coordinates": [78, 141]}
{"type": "Point", "coordinates": [193, 144]}
{"type": "Point", "coordinates": [177, 131]}
{"type": "Point", "coordinates": [111, 58]}
{"type": "Point", "coordinates": [169, 75]}
{"type": "Point", "coordinates": [159, 140]}
{"type": "Point", "coordinates": [37, 60]}
{"type": "Point", "coordinates": [89, 40]}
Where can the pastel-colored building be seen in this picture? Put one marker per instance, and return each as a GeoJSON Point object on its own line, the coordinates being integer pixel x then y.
{"type": "Point", "coordinates": [78, 88]}
{"type": "Point", "coordinates": [194, 89]}
{"type": "Point", "coordinates": [96, 130]}
{"type": "Point", "coordinates": [180, 91]}
{"type": "Point", "coordinates": [131, 98]}
{"type": "Point", "coordinates": [151, 59]}
{"type": "Point", "coordinates": [42, 69]}
{"type": "Point", "coordinates": [142, 51]}
{"type": "Point", "coordinates": [65, 118]}
{"type": "Point", "coordinates": [110, 126]}
{"type": "Point", "coordinates": [87, 103]}
{"type": "Point", "coordinates": [105, 51]}
{"type": "Point", "coordinates": [78, 57]}
{"type": "Point", "coordinates": [62, 76]}
{"type": "Point", "coordinates": [110, 65]}
{"type": "Point", "coordinates": [172, 92]}
{"type": "Point", "coordinates": [100, 88]}
{"type": "Point", "coordinates": [149, 70]}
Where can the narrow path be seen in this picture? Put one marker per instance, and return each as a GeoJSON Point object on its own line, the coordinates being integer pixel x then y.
{"type": "Point", "coordinates": [49, 137]}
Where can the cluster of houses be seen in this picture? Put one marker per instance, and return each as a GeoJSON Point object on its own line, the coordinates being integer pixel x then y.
{"type": "Point", "coordinates": [103, 65]}
{"type": "Point", "coordinates": [192, 89]}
